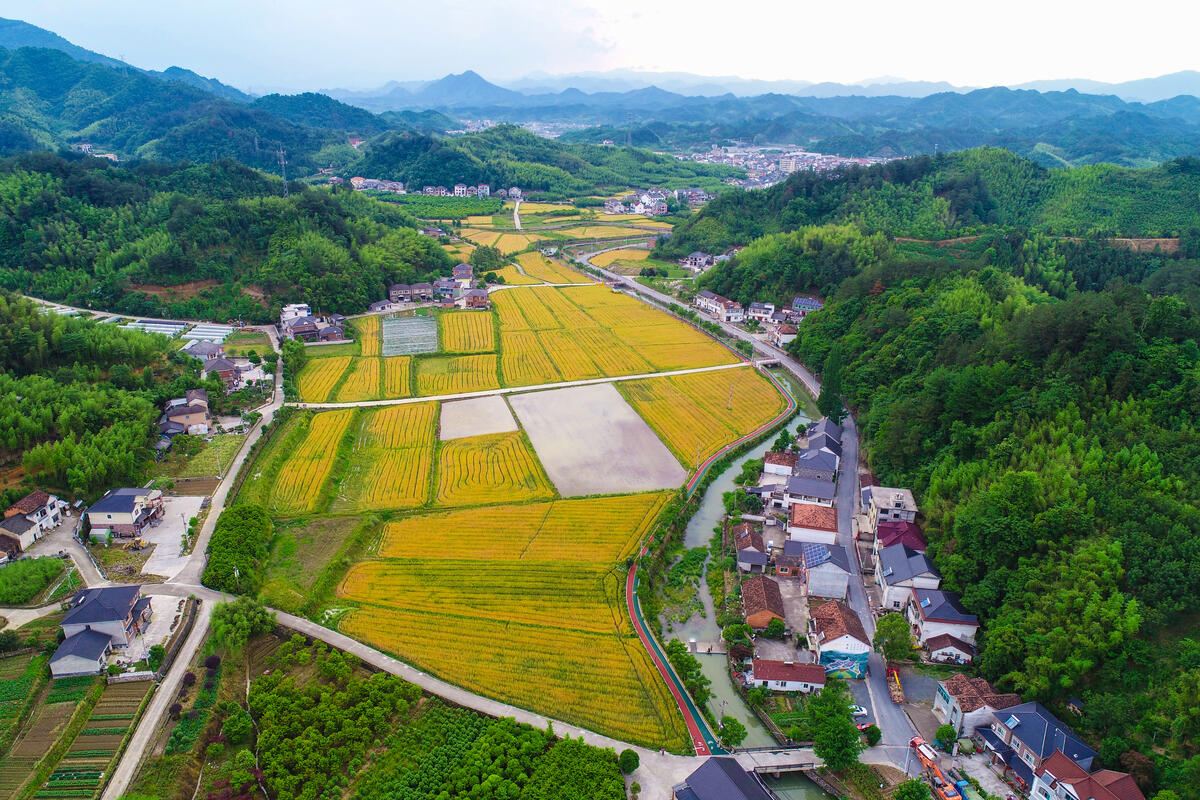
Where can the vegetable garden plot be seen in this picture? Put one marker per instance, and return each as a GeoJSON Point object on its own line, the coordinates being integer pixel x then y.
{"type": "Point", "coordinates": [408, 335]}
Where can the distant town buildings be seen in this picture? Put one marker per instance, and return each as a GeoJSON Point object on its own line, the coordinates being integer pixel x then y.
{"type": "Point", "coordinates": [766, 166]}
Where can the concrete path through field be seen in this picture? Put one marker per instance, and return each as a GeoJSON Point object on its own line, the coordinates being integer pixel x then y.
{"type": "Point", "coordinates": [522, 389]}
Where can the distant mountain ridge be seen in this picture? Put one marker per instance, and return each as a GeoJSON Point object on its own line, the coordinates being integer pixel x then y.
{"type": "Point", "coordinates": [15, 34]}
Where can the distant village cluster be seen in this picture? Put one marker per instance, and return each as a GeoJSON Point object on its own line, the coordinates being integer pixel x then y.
{"type": "Point", "coordinates": [458, 190]}
{"type": "Point", "coordinates": [766, 166]}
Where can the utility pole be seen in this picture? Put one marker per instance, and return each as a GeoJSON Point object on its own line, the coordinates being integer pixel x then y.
{"type": "Point", "coordinates": [283, 169]}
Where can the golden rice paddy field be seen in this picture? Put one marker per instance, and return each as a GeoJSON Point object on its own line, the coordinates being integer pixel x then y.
{"type": "Point", "coordinates": [397, 377]}
{"type": "Point", "coordinates": [624, 254]}
{"type": "Point", "coordinates": [523, 360]}
{"type": "Point", "coordinates": [368, 329]}
{"type": "Point", "coordinates": [460, 250]}
{"type": "Point", "coordinates": [468, 332]}
{"type": "Point", "coordinates": [496, 468]}
{"type": "Point", "coordinates": [390, 460]}
{"type": "Point", "coordinates": [699, 413]}
{"type": "Point", "coordinates": [548, 270]}
{"type": "Point", "coordinates": [522, 603]}
{"type": "Point", "coordinates": [455, 374]}
{"type": "Point", "coordinates": [544, 208]}
{"type": "Point", "coordinates": [318, 377]}
{"type": "Point", "coordinates": [289, 474]}
{"type": "Point", "coordinates": [513, 278]}
{"type": "Point", "coordinates": [600, 232]}
{"type": "Point", "coordinates": [504, 242]}
{"type": "Point", "coordinates": [362, 382]}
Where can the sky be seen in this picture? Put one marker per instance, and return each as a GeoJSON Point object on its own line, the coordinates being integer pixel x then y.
{"type": "Point", "coordinates": [310, 45]}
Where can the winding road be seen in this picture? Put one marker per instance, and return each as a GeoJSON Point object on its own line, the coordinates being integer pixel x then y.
{"type": "Point", "coordinates": [658, 771]}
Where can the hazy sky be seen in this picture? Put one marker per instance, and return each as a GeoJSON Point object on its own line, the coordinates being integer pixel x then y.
{"type": "Point", "coordinates": [306, 44]}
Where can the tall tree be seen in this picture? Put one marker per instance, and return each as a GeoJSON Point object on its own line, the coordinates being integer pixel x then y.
{"type": "Point", "coordinates": [836, 739]}
{"type": "Point", "coordinates": [829, 403]}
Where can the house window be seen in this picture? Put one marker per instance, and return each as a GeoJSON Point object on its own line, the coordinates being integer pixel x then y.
{"type": "Point", "coordinates": [942, 693]}
{"type": "Point", "coordinates": [1028, 757]}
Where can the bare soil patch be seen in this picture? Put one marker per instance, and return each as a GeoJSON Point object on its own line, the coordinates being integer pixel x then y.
{"type": "Point", "coordinates": [180, 290]}
{"type": "Point", "coordinates": [592, 442]}
{"type": "Point", "coordinates": [475, 417]}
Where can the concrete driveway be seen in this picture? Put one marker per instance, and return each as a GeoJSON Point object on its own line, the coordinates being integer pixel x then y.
{"type": "Point", "coordinates": [162, 622]}
{"type": "Point", "coordinates": [167, 559]}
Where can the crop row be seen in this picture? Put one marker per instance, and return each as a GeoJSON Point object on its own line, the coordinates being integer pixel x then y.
{"type": "Point", "coordinates": [468, 332]}
{"type": "Point", "coordinates": [406, 425]}
{"type": "Point", "coordinates": [523, 360]}
{"type": "Point", "coordinates": [368, 335]}
{"type": "Point", "coordinates": [490, 469]}
{"type": "Point", "coordinates": [298, 485]}
{"type": "Point", "coordinates": [318, 377]}
{"type": "Point", "coordinates": [454, 374]}
{"type": "Point", "coordinates": [362, 383]}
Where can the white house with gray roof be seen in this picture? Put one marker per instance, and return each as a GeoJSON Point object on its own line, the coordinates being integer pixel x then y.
{"type": "Point", "coordinates": [899, 569]}
{"type": "Point", "coordinates": [932, 612]}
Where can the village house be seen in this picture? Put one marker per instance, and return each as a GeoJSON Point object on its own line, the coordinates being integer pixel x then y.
{"type": "Point", "coordinates": [721, 779]}
{"type": "Point", "coordinates": [760, 312]}
{"type": "Point", "coordinates": [696, 261]}
{"type": "Point", "coordinates": [812, 523]}
{"type": "Point", "coordinates": [483, 190]}
{"type": "Point", "coordinates": [899, 569]}
{"type": "Point", "coordinates": [203, 350]}
{"type": "Point", "coordinates": [125, 512]}
{"type": "Point", "coordinates": [463, 273]}
{"type": "Point", "coordinates": [400, 293]}
{"type": "Point", "coordinates": [720, 307]}
{"type": "Point", "coordinates": [293, 311]}
{"type": "Point", "coordinates": [823, 441]}
{"type": "Point", "coordinates": [837, 635]}
{"type": "Point", "coordinates": [762, 602]}
{"type": "Point", "coordinates": [187, 414]}
{"type": "Point", "coordinates": [824, 568]}
{"type": "Point", "coordinates": [885, 504]}
{"type": "Point", "coordinates": [99, 620]}
{"type": "Point", "coordinates": [947, 649]}
{"type": "Point", "coordinates": [225, 370]}
{"type": "Point", "coordinates": [460, 190]}
{"type": "Point", "coordinates": [514, 193]}
{"type": "Point", "coordinates": [817, 465]}
{"type": "Point", "coordinates": [932, 612]}
{"type": "Point", "coordinates": [380, 305]}
{"type": "Point", "coordinates": [752, 552]}
{"type": "Point", "coordinates": [1060, 778]}
{"type": "Point", "coordinates": [786, 676]}
{"type": "Point", "coordinates": [447, 289]}
{"type": "Point", "coordinates": [966, 703]}
{"type": "Point", "coordinates": [422, 291]}
{"type": "Point", "coordinates": [476, 299]}
{"type": "Point", "coordinates": [783, 335]}
{"type": "Point", "coordinates": [808, 491]}
{"type": "Point", "coordinates": [779, 463]}
{"type": "Point", "coordinates": [905, 533]}
{"type": "Point", "coordinates": [1020, 739]}
{"type": "Point", "coordinates": [432, 232]}
{"type": "Point", "coordinates": [824, 426]}
{"type": "Point", "coordinates": [26, 520]}
{"type": "Point", "coordinates": [806, 305]}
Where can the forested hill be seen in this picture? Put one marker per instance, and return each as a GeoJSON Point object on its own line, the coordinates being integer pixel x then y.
{"type": "Point", "coordinates": [78, 400]}
{"type": "Point", "coordinates": [212, 241]}
{"type": "Point", "coordinates": [1040, 395]}
{"type": "Point", "coordinates": [506, 155]}
{"type": "Point", "coordinates": [957, 194]}
{"type": "Point", "coordinates": [1052, 443]}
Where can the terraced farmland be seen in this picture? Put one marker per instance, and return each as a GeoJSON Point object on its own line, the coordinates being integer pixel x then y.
{"type": "Point", "coordinates": [624, 254]}
{"type": "Point", "coordinates": [513, 278]}
{"type": "Point", "coordinates": [489, 469]}
{"type": "Point", "coordinates": [548, 270]}
{"type": "Point", "coordinates": [543, 601]}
